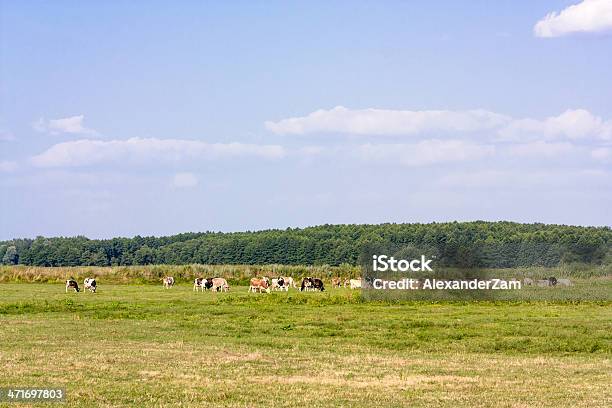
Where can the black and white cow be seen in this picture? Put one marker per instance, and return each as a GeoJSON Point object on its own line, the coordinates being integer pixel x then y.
{"type": "Point", "coordinates": [312, 284]}
{"type": "Point", "coordinates": [90, 283]}
{"type": "Point", "coordinates": [202, 283]}
{"type": "Point", "coordinates": [306, 284]}
{"type": "Point", "coordinates": [72, 284]}
{"type": "Point", "coordinates": [279, 284]}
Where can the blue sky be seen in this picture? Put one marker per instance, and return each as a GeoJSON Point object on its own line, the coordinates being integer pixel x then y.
{"type": "Point", "coordinates": [120, 118]}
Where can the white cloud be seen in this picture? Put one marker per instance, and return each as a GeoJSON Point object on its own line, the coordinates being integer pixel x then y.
{"type": "Point", "coordinates": [587, 16]}
{"type": "Point", "coordinates": [73, 124]}
{"type": "Point", "coordinates": [185, 180]}
{"type": "Point", "coordinates": [136, 150]}
{"type": "Point", "coordinates": [387, 122]}
{"type": "Point", "coordinates": [571, 124]}
{"type": "Point", "coordinates": [426, 152]}
{"type": "Point", "coordinates": [7, 166]}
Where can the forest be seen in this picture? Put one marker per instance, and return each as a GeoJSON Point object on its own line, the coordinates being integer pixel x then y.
{"type": "Point", "coordinates": [463, 244]}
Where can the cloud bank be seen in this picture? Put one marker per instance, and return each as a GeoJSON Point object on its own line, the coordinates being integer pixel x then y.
{"type": "Point", "coordinates": [141, 151]}
{"type": "Point", "coordinates": [589, 16]}
{"type": "Point", "coordinates": [387, 122]}
{"type": "Point", "coordinates": [571, 124]}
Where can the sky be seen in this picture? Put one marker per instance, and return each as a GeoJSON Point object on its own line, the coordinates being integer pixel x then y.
{"type": "Point", "coordinates": [131, 118]}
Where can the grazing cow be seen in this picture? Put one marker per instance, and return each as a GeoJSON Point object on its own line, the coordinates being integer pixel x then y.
{"type": "Point", "coordinates": [279, 284]}
{"type": "Point", "coordinates": [90, 283]}
{"type": "Point", "coordinates": [564, 282]}
{"type": "Point", "coordinates": [310, 283]}
{"type": "Point", "coordinates": [200, 283]}
{"type": "Point", "coordinates": [317, 284]}
{"type": "Point", "coordinates": [72, 284]}
{"type": "Point", "coordinates": [306, 284]}
{"type": "Point", "coordinates": [336, 282]}
{"type": "Point", "coordinates": [219, 285]}
{"type": "Point", "coordinates": [527, 281]}
{"type": "Point", "coordinates": [355, 283]}
{"type": "Point", "coordinates": [259, 284]}
{"type": "Point", "coordinates": [168, 282]}
{"type": "Point", "coordinates": [552, 281]}
{"type": "Point", "coordinates": [289, 283]}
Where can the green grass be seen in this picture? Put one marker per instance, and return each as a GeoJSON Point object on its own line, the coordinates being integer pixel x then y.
{"type": "Point", "coordinates": [141, 345]}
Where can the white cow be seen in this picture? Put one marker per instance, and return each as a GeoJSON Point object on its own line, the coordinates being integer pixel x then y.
{"type": "Point", "coordinates": [220, 284]}
{"type": "Point", "coordinates": [355, 283]}
{"type": "Point", "coordinates": [289, 282]}
{"type": "Point", "coordinates": [90, 283]}
{"type": "Point", "coordinates": [168, 282]}
{"type": "Point", "coordinates": [564, 282]}
{"type": "Point", "coordinates": [543, 283]}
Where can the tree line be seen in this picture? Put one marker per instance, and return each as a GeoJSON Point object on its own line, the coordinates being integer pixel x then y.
{"type": "Point", "coordinates": [466, 244]}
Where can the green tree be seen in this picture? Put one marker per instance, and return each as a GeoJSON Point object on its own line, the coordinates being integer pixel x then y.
{"type": "Point", "coordinates": [10, 256]}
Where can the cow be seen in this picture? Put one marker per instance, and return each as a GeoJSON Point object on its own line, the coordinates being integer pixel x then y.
{"type": "Point", "coordinates": [279, 284]}
{"type": "Point", "coordinates": [289, 282]}
{"type": "Point", "coordinates": [564, 282]}
{"type": "Point", "coordinates": [317, 284]}
{"type": "Point", "coordinates": [168, 282]}
{"type": "Point", "coordinates": [527, 281]}
{"type": "Point", "coordinates": [72, 284]}
{"type": "Point", "coordinates": [200, 283]}
{"type": "Point", "coordinates": [306, 284]}
{"type": "Point", "coordinates": [552, 281]}
{"type": "Point", "coordinates": [219, 285]}
{"type": "Point", "coordinates": [90, 283]}
{"type": "Point", "coordinates": [355, 283]}
{"type": "Point", "coordinates": [336, 282]}
{"type": "Point", "coordinates": [310, 283]}
{"type": "Point", "coordinates": [259, 284]}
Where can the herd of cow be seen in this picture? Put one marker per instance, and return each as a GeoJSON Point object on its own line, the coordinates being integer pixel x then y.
{"type": "Point", "coordinates": [283, 283]}
{"type": "Point", "coordinates": [264, 284]}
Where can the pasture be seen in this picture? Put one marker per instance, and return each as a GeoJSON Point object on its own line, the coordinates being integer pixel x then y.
{"type": "Point", "coordinates": [142, 345]}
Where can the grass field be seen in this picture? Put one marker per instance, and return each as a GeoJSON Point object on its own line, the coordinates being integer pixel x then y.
{"type": "Point", "coordinates": [141, 345]}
